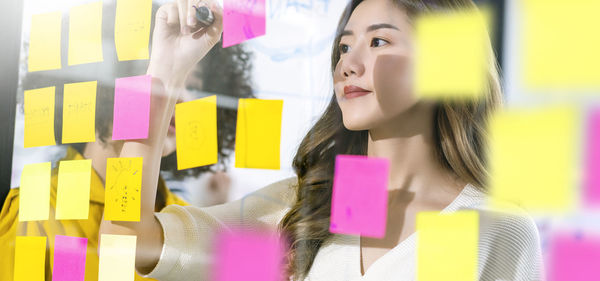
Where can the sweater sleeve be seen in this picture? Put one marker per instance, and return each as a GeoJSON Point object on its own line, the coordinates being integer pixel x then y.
{"type": "Point", "coordinates": [189, 231]}
{"type": "Point", "coordinates": [509, 247]}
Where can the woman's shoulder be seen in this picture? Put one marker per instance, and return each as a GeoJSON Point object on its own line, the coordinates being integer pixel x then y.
{"type": "Point", "coordinates": [509, 244]}
{"type": "Point", "coordinates": [10, 208]}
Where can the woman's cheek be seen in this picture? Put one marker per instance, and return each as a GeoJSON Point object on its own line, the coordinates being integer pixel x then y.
{"type": "Point", "coordinates": [393, 83]}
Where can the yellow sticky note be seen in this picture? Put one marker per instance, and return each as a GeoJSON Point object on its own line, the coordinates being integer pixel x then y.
{"type": "Point", "coordinates": [123, 189]}
{"type": "Point", "coordinates": [258, 133]}
{"type": "Point", "coordinates": [117, 257]}
{"type": "Point", "coordinates": [79, 112]}
{"type": "Point", "coordinates": [132, 29]}
{"type": "Point", "coordinates": [34, 199]}
{"type": "Point", "coordinates": [196, 132]}
{"type": "Point", "coordinates": [73, 194]}
{"type": "Point", "coordinates": [44, 42]}
{"type": "Point", "coordinates": [532, 158]}
{"type": "Point", "coordinates": [39, 117]}
{"type": "Point", "coordinates": [452, 54]}
{"type": "Point", "coordinates": [30, 258]}
{"type": "Point", "coordinates": [85, 33]}
{"type": "Point", "coordinates": [447, 245]}
{"type": "Point", "coordinates": [561, 54]}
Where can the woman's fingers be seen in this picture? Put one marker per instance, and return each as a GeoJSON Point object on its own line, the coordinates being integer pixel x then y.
{"type": "Point", "coordinates": [191, 13]}
{"type": "Point", "coordinates": [182, 6]}
{"type": "Point", "coordinates": [172, 14]}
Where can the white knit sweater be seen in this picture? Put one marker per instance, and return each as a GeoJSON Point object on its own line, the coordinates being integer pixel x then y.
{"type": "Point", "coordinates": [509, 247]}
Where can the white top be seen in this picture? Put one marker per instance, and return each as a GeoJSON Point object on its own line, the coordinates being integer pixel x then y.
{"type": "Point", "coordinates": [509, 247]}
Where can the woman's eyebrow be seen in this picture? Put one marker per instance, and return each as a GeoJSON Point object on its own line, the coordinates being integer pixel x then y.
{"type": "Point", "coordinates": [371, 28]}
{"type": "Point", "coordinates": [380, 26]}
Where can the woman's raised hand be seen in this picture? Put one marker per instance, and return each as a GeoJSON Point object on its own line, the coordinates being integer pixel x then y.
{"type": "Point", "coordinates": [179, 41]}
{"type": "Point", "coordinates": [178, 44]}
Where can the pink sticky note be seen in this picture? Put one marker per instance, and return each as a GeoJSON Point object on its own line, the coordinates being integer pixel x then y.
{"type": "Point", "coordinates": [592, 160]}
{"type": "Point", "coordinates": [574, 258]}
{"type": "Point", "coordinates": [69, 258]}
{"type": "Point", "coordinates": [359, 199]}
{"type": "Point", "coordinates": [242, 20]}
{"type": "Point", "coordinates": [248, 255]}
{"type": "Point", "coordinates": [132, 107]}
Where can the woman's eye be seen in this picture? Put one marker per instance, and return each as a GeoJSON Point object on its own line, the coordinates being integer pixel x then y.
{"type": "Point", "coordinates": [344, 48]}
{"type": "Point", "coordinates": [378, 42]}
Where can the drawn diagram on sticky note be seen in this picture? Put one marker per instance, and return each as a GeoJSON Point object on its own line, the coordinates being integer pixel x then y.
{"type": "Point", "coordinates": [574, 257]}
{"type": "Point", "coordinates": [44, 42]}
{"type": "Point", "coordinates": [34, 198]}
{"type": "Point", "coordinates": [258, 133]}
{"type": "Point", "coordinates": [85, 33]}
{"type": "Point", "coordinates": [69, 258]}
{"type": "Point", "coordinates": [447, 245]}
{"type": "Point", "coordinates": [532, 158]}
{"type": "Point", "coordinates": [79, 112]}
{"type": "Point", "coordinates": [39, 117]}
{"type": "Point", "coordinates": [242, 20]}
{"type": "Point", "coordinates": [132, 29]}
{"type": "Point", "coordinates": [360, 196]}
{"type": "Point", "coordinates": [452, 54]}
{"type": "Point", "coordinates": [123, 189]}
{"type": "Point", "coordinates": [30, 258]}
{"type": "Point", "coordinates": [117, 257]}
{"type": "Point", "coordinates": [560, 54]}
{"type": "Point", "coordinates": [591, 182]}
{"type": "Point", "coordinates": [196, 132]}
{"type": "Point", "coordinates": [73, 191]}
{"type": "Point", "coordinates": [236, 253]}
{"type": "Point", "coordinates": [132, 107]}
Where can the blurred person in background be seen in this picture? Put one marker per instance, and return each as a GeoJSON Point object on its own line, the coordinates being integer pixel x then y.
{"type": "Point", "coordinates": [225, 72]}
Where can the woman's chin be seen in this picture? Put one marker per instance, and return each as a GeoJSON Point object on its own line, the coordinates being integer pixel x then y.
{"type": "Point", "coordinates": [356, 125]}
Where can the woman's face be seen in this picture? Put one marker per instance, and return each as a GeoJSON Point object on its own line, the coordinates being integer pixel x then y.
{"type": "Point", "coordinates": [373, 79]}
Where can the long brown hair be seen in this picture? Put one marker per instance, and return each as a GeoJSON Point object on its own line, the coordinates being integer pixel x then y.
{"type": "Point", "coordinates": [460, 146]}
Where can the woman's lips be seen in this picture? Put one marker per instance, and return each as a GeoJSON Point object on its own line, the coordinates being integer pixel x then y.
{"type": "Point", "coordinates": [354, 91]}
{"type": "Point", "coordinates": [356, 94]}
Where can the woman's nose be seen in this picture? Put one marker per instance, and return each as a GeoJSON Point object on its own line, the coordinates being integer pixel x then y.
{"type": "Point", "coordinates": [353, 65]}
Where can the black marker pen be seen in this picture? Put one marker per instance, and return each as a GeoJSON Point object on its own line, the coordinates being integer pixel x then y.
{"type": "Point", "coordinates": [204, 16]}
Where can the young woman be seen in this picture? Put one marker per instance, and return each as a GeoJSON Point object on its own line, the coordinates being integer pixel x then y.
{"type": "Point", "coordinates": [435, 151]}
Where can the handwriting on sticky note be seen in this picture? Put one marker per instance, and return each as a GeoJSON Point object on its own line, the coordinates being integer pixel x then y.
{"type": "Point", "coordinates": [69, 258]}
{"type": "Point", "coordinates": [30, 258]}
{"type": "Point", "coordinates": [117, 257]}
{"type": "Point", "coordinates": [258, 133]}
{"type": "Point", "coordinates": [447, 245]}
{"type": "Point", "coordinates": [196, 132]}
{"type": "Point", "coordinates": [242, 20]}
{"type": "Point", "coordinates": [73, 191]}
{"type": "Point", "coordinates": [123, 189]}
{"type": "Point", "coordinates": [34, 199]}
{"type": "Point", "coordinates": [39, 117]}
{"type": "Point", "coordinates": [574, 257]}
{"type": "Point", "coordinates": [85, 33]}
{"type": "Point", "coordinates": [132, 107]}
{"type": "Point", "coordinates": [236, 253]}
{"type": "Point", "coordinates": [359, 197]}
{"type": "Point", "coordinates": [551, 64]}
{"type": "Point", "coordinates": [44, 42]}
{"type": "Point", "coordinates": [132, 29]}
{"type": "Point", "coordinates": [79, 112]}
{"type": "Point", "coordinates": [452, 51]}
{"type": "Point", "coordinates": [528, 169]}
